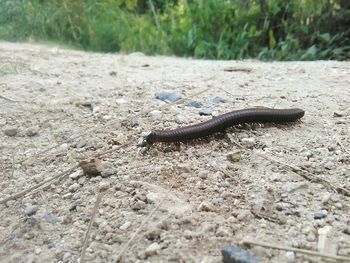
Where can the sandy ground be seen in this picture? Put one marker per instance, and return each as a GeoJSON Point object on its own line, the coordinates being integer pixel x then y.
{"type": "Point", "coordinates": [288, 185]}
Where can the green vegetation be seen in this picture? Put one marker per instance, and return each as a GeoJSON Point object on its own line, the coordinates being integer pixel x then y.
{"type": "Point", "coordinates": [214, 29]}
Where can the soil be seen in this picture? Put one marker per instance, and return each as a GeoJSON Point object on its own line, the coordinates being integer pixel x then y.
{"type": "Point", "coordinates": [284, 185]}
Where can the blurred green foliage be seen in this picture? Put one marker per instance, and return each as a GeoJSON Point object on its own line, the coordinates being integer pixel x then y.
{"type": "Point", "coordinates": [215, 29]}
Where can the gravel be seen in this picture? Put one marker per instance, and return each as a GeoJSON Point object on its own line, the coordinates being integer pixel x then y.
{"type": "Point", "coordinates": [172, 195]}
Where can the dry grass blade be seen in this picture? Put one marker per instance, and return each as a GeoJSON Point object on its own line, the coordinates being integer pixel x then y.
{"type": "Point", "coordinates": [342, 146]}
{"type": "Point", "coordinates": [28, 190]}
{"type": "Point", "coordinates": [8, 99]}
{"type": "Point", "coordinates": [87, 235]}
{"type": "Point", "coordinates": [59, 176]}
{"type": "Point", "coordinates": [297, 250]}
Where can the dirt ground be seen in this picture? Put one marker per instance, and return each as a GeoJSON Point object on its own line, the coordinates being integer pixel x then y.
{"type": "Point", "coordinates": [285, 185]}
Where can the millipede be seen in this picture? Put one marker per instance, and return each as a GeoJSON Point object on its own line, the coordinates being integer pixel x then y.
{"type": "Point", "coordinates": [224, 121]}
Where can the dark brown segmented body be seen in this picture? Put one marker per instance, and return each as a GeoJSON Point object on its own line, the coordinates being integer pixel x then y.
{"type": "Point", "coordinates": [222, 122]}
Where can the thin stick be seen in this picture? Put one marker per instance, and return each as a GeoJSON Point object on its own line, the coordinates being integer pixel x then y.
{"type": "Point", "coordinates": [87, 235]}
{"type": "Point", "coordinates": [342, 146]}
{"type": "Point", "coordinates": [25, 191]}
{"type": "Point", "coordinates": [298, 250]}
{"type": "Point", "coordinates": [59, 176]}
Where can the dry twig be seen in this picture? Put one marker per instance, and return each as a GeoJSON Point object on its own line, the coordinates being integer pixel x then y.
{"type": "Point", "coordinates": [58, 177]}
{"type": "Point", "coordinates": [28, 190]}
{"type": "Point", "coordinates": [87, 235]}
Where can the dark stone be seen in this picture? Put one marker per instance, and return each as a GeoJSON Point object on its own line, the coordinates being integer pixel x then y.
{"type": "Point", "coordinates": [234, 254]}
{"type": "Point", "coordinates": [51, 218]}
{"type": "Point", "coordinates": [73, 206]}
{"type": "Point", "coordinates": [320, 214]}
{"type": "Point", "coordinates": [217, 99]}
{"type": "Point", "coordinates": [31, 210]}
{"type": "Point", "coordinates": [50, 244]}
{"type": "Point", "coordinates": [206, 112]}
{"type": "Point", "coordinates": [194, 104]}
{"type": "Point", "coordinates": [167, 96]}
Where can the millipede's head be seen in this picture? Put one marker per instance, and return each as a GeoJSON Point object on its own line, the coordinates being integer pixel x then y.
{"type": "Point", "coordinates": [151, 137]}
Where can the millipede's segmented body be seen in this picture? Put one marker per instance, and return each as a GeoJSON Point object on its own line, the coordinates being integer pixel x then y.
{"type": "Point", "coordinates": [222, 122]}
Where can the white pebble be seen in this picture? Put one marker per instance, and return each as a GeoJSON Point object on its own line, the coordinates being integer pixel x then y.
{"type": "Point", "coordinates": [156, 115]}
{"type": "Point", "coordinates": [152, 249]}
{"type": "Point", "coordinates": [125, 226]}
{"type": "Point", "coordinates": [73, 188]}
{"type": "Point", "coordinates": [248, 142]}
{"type": "Point", "coordinates": [76, 175]}
{"type": "Point", "coordinates": [223, 232]}
{"type": "Point", "coordinates": [290, 255]}
{"type": "Point", "coordinates": [103, 186]}
{"type": "Point", "coordinates": [152, 197]}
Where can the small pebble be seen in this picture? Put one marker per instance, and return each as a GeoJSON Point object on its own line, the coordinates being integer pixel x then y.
{"type": "Point", "coordinates": [66, 257]}
{"type": "Point", "coordinates": [206, 112]}
{"type": "Point", "coordinates": [180, 119]}
{"type": "Point", "coordinates": [31, 210]}
{"type": "Point", "coordinates": [38, 178]}
{"type": "Point", "coordinates": [91, 167]}
{"type": "Point", "coordinates": [67, 195]}
{"type": "Point", "coordinates": [76, 175]}
{"type": "Point", "coordinates": [217, 99]}
{"type": "Point", "coordinates": [203, 174]}
{"type": "Point", "coordinates": [234, 254]}
{"type": "Point", "coordinates": [63, 148]}
{"type": "Point", "coordinates": [50, 244]}
{"type": "Point", "coordinates": [125, 226]}
{"type": "Point", "coordinates": [244, 215]}
{"type": "Point", "coordinates": [290, 255]}
{"type": "Point", "coordinates": [73, 188]}
{"type": "Point", "coordinates": [156, 115]}
{"type": "Point", "coordinates": [338, 205]}
{"type": "Point", "coordinates": [347, 230]}
{"type": "Point", "coordinates": [167, 96]}
{"type": "Point", "coordinates": [139, 205]}
{"type": "Point", "coordinates": [32, 131]}
{"type": "Point", "coordinates": [206, 207]}
{"type": "Point", "coordinates": [37, 250]}
{"type": "Point", "coordinates": [152, 197]}
{"type": "Point", "coordinates": [51, 218]}
{"type": "Point", "coordinates": [194, 104]}
{"type": "Point", "coordinates": [248, 142]}
{"type": "Point", "coordinates": [11, 130]}
{"type": "Point", "coordinates": [152, 249]}
{"type": "Point", "coordinates": [320, 214]}
{"type": "Point", "coordinates": [311, 237]}
{"type": "Point", "coordinates": [73, 206]}
{"type": "Point", "coordinates": [234, 156]}
{"type": "Point", "coordinates": [223, 232]}
{"type": "Point", "coordinates": [103, 186]}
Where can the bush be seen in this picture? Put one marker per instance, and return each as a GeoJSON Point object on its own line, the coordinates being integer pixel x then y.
{"type": "Point", "coordinates": [215, 29]}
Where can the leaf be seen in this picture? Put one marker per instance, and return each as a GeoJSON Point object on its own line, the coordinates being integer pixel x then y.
{"type": "Point", "coordinates": [326, 37]}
